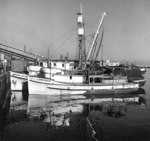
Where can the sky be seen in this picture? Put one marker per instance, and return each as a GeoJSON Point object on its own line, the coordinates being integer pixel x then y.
{"type": "Point", "coordinates": [42, 25]}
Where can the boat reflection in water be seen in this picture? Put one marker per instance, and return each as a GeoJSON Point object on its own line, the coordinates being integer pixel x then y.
{"type": "Point", "coordinates": [57, 110]}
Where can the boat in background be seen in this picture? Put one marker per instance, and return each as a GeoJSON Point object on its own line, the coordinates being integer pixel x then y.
{"type": "Point", "coordinates": [135, 75]}
{"type": "Point", "coordinates": [41, 69]}
{"type": "Point", "coordinates": [143, 70]}
{"type": "Point", "coordinates": [45, 68]}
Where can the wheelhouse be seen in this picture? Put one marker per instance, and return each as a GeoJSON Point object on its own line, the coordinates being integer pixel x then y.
{"type": "Point", "coordinates": [98, 79]}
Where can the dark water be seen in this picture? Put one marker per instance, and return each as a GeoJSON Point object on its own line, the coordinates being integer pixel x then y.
{"type": "Point", "coordinates": [116, 117]}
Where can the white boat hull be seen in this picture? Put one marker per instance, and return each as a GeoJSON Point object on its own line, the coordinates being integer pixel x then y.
{"type": "Point", "coordinates": [18, 81]}
{"type": "Point", "coordinates": [40, 86]}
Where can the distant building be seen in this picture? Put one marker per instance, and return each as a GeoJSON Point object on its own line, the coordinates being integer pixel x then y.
{"type": "Point", "coordinates": [109, 63]}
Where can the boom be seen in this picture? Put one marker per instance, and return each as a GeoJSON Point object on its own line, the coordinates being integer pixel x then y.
{"type": "Point", "coordinates": [95, 37]}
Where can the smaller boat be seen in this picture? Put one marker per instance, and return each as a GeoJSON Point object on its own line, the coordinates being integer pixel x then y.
{"type": "Point", "coordinates": [135, 75]}
{"type": "Point", "coordinates": [143, 70]}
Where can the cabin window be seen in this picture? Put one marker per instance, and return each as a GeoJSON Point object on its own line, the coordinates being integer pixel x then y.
{"type": "Point", "coordinates": [91, 80]}
{"type": "Point", "coordinates": [98, 80]}
{"type": "Point", "coordinates": [108, 78]}
{"type": "Point", "coordinates": [70, 77]}
{"type": "Point", "coordinates": [63, 65]}
{"type": "Point", "coordinates": [41, 64]}
{"type": "Point", "coordinates": [96, 108]}
{"type": "Point", "coordinates": [91, 108]}
{"type": "Point", "coordinates": [54, 64]}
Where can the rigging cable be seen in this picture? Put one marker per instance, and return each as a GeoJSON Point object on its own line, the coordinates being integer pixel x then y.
{"type": "Point", "coordinates": [62, 36]}
{"type": "Point", "coordinates": [63, 46]}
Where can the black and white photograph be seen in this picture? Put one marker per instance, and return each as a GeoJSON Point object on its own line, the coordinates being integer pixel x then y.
{"type": "Point", "coordinates": [74, 70]}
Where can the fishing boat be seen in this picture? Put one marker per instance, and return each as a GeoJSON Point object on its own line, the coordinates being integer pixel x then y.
{"type": "Point", "coordinates": [64, 72]}
{"type": "Point", "coordinates": [96, 84]}
{"type": "Point", "coordinates": [83, 81]}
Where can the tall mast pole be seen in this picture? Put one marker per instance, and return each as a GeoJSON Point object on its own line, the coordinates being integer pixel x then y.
{"type": "Point", "coordinates": [81, 36]}
{"type": "Point", "coordinates": [48, 59]}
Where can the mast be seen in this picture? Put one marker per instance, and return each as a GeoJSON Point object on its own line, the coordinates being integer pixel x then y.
{"type": "Point", "coordinates": [102, 57]}
{"type": "Point", "coordinates": [81, 38]}
{"type": "Point", "coordinates": [48, 59]}
{"type": "Point", "coordinates": [95, 37]}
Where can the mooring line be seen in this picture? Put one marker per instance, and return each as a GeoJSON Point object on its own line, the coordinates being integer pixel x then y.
{"type": "Point", "coordinates": [92, 129]}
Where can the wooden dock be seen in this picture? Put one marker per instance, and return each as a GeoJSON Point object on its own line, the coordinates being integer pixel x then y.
{"type": "Point", "coordinates": [5, 95]}
{"type": "Point", "coordinates": [4, 89]}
